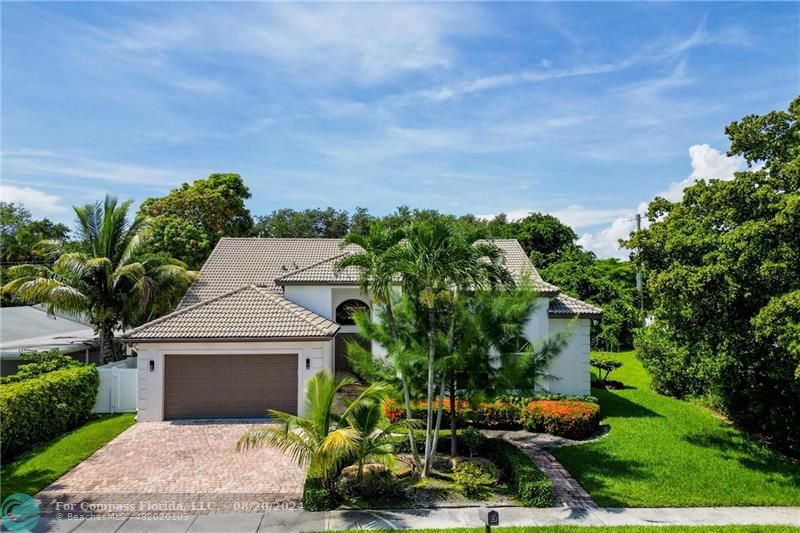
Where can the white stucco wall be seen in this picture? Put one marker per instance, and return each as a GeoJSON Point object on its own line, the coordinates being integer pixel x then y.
{"type": "Point", "coordinates": [537, 326]}
{"type": "Point", "coordinates": [317, 298]}
{"type": "Point", "coordinates": [151, 383]}
{"type": "Point", "coordinates": [571, 366]}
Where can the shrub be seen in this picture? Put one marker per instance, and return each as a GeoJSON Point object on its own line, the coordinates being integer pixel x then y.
{"type": "Point", "coordinates": [316, 496]}
{"type": "Point", "coordinates": [472, 439]}
{"type": "Point", "coordinates": [37, 363]}
{"type": "Point", "coordinates": [605, 366]}
{"type": "Point", "coordinates": [675, 370]}
{"type": "Point", "coordinates": [475, 481]}
{"type": "Point", "coordinates": [496, 414]}
{"type": "Point", "coordinates": [570, 419]}
{"type": "Point", "coordinates": [37, 409]}
{"type": "Point", "coordinates": [531, 486]}
{"type": "Point", "coordinates": [383, 486]}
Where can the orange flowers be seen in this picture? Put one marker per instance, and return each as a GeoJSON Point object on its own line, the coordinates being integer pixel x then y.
{"type": "Point", "coordinates": [572, 419]}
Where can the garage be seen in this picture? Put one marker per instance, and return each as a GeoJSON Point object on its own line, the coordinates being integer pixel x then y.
{"type": "Point", "coordinates": [229, 386]}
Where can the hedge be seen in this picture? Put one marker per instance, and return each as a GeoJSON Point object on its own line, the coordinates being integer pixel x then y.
{"type": "Point", "coordinates": [531, 486]}
{"type": "Point", "coordinates": [572, 419]}
{"type": "Point", "coordinates": [317, 497]}
{"type": "Point", "coordinates": [40, 408]}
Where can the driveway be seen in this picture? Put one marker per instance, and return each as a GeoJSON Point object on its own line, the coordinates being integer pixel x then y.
{"type": "Point", "coordinates": [178, 467]}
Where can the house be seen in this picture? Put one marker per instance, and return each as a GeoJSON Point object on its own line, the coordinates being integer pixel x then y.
{"type": "Point", "coordinates": [26, 328]}
{"type": "Point", "coordinates": [267, 314]}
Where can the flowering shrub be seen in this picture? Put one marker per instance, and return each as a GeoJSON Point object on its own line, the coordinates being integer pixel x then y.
{"type": "Point", "coordinates": [570, 419]}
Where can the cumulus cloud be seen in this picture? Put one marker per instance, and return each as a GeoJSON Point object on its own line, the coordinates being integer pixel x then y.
{"type": "Point", "coordinates": [707, 163]}
{"type": "Point", "coordinates": [38, 202]}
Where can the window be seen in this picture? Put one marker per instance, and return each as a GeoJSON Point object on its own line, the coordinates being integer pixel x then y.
{"type": "Point", "coordinates": [346, 310]}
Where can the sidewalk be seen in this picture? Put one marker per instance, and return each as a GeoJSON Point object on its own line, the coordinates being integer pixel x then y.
{"type": "Point", "coordinates": [293, 521]}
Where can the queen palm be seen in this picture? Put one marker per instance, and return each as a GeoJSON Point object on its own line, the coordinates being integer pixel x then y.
{"type": "Point", "coordinates": [324, 436]}
{"type": "Point", "coordinates": [112, 281]}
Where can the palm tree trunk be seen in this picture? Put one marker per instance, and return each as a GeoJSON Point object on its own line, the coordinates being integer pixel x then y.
{"type": "Point", "coordinates": [107, 341]}
{"type": "Point", "coordinates": [431, 359]}
{"type": "Point", "coordinates": [453, 431]}
{"type": "Point", "coordinates": [432, 458]}
{"type": "Point", "coordinates": [406, 393]}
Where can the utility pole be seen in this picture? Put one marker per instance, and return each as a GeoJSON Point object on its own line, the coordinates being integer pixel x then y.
{"type": "Point", "coordinates": [638, 264]}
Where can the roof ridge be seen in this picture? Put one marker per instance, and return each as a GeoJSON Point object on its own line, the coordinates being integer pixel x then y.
{"type": "Point", "coordinates": [292, 308]}
{"type": "Point", "coordinates": [312, 265]}
{"type": "Point", "coordinates": [178, 312]}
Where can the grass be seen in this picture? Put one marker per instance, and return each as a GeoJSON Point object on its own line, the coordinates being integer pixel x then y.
{"type": "Point", "coordinates": [620, 529]}
{"type": "Point", "coordinates": [666, 452]}
{"type": "Point", "coordinates": [34, 470]}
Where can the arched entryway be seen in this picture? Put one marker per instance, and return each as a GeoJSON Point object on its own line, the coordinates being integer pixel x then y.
{"type": "Point", "coordinates": [345, 312]}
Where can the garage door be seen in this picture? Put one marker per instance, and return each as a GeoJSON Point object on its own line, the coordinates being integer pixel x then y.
{"type": "Point", "coordinates": [229, 386]}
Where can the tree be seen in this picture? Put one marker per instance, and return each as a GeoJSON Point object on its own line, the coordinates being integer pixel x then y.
{"type": "Point", "coordinates": [324, 436]}
{"type": "Point", "coordinates": [114, 283]}
{"type": "Point", "coordinates": [723, 266]}
{"type": "Point", "coordinates": [188, 222]}
{"type": "Point", "coordinates": [19, 232]}
{"type": "Point", "coordinates": [436, 262]}
{"type": "Point", "coordinates": [543, 237]}
{"type": "Point", "coordinates": [309, 223]}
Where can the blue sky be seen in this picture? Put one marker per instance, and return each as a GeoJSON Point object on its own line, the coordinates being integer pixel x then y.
{"type": "Point", "coordinates": [583, 110]}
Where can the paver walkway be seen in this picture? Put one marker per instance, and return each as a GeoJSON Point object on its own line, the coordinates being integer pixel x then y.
{"type": "Point", "coordinates": [567, 492]}
{"type": "Point", "coordinates": [159, 466]}
{"type": "Point", "coordinates": [295, 521]}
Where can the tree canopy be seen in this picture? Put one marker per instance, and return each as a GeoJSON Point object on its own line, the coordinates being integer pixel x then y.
{"type": "Point", "coordinates": [187, 223]}
{"type": "Point", "coordinates": [724, 276]}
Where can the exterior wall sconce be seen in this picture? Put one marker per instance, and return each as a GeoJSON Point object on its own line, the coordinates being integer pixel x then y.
{"type": "Point", "coordinates": [308, 363]}
{"type": "Point", "coordinates": [152, 365]}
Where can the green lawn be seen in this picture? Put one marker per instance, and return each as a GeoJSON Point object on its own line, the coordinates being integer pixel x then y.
{"type": "Point", "coordinates": [666, 452]}
{"type": "Point", "coordinates": [620, 529]}
{"type": "Point", "coordinates": [34, 470]}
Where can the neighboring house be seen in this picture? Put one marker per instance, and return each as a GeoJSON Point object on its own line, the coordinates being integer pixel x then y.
{"type": "Point", "coordinates": [27, 328]}
{"type": "Point", "coordinates": [267, 314]}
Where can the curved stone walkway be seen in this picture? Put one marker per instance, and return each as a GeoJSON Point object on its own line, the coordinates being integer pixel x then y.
{"type": "Point", "coordinates": [567, 492]}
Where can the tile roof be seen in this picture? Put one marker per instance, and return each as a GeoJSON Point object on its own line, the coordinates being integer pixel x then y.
{"type": "Point", "coordinates": [519, 265]}
{"type": "Point", "coordinates": [240, 261]}
{"type": "Point", "coordinates": [248, 312]}
{"type": "Point", "coordinates": [563, 306]}
{"type": "Point", "coordinates": [323, 272]}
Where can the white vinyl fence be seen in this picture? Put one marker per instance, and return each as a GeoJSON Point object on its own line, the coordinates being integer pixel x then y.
{"type": "Point", "coordinates": [118, 387]}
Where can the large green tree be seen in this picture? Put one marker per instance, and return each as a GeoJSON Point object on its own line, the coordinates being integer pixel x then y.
{"type": "Point", "coordinates": [113, 281]}
{"type": "Point", "coordinates": [724, 266]}
{"type": "Point", "coordinates": [187, 223]}
{"type": "Point", "coordinates": [19, 232]}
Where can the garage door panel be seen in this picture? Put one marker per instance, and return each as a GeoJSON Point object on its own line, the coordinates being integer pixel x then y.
{"type": "Point", "coordinates": [220, 385]}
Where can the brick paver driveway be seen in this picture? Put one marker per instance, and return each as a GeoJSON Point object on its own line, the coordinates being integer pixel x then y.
{"type": "Point", "coordinates": [167, 466]}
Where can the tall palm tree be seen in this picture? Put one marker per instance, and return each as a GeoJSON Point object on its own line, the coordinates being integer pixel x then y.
{"type": "Point", "coordinates": [113, 281]}
{"type": "Point", "coordinates": [377, 278]}
{"type": "Point", "coordinates": [436, 262]}
{"type": "Point", "coordinates": [323, 437]}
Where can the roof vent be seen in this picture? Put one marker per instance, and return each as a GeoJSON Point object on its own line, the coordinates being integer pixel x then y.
{"type": "Point", "coordinates": [284, 268]}
{"type": "Point", "coordinates": [295, 265]}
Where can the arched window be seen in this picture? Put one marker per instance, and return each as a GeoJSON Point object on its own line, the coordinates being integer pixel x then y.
{"type": "Point", "coordinates": [346, 310]}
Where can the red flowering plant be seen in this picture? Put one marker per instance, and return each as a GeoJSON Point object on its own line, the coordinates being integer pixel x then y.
{"type": "Point", "coordinates": [571, 419]}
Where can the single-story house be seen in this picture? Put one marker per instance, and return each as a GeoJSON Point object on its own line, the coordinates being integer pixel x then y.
{"type": "Point", "coordinates": [267, 314]}
{"type": "Point", "coordinates": [26, 328]}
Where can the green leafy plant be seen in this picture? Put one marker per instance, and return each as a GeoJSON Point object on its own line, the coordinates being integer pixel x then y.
{"type": "Point", "coordinates": [37, 363]}
{"type": "Point", "coordinates": [474, 480]}
{"type": "Point", "coordinates": [531, 486]}
{"type": "Point", "coordinates": [37, 409]}
{"type": "Point", "coordinates": [473, 440]}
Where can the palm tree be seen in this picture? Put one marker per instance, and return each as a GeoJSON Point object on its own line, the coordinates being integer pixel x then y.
{"type": "Point", "coordinates": [112, 281]}
{"type": "Point", "coordinates": [377, 278]}
{"type": "Point", "coordinates": [436, 262]}
{"type": "Point", "coordinates": [375, 433]}
{"type": "Point", "coordinates": [323, 437]}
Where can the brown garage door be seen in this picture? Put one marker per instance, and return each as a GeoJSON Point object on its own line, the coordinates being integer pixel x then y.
{"type": "Point", "coordinates": [228, 386]}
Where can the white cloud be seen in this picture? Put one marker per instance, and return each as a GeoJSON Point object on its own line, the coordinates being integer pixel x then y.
{"type": "Point", "coordinates": [707, 163]}
{"type": "Point", "coordinates": [575, 215]}
{"type": "Point", "coordinates": [26, 162]}
{"type": "Point", "coordinates": [369, 42]}
{"type": "Point", "coordinates": [38, 202]}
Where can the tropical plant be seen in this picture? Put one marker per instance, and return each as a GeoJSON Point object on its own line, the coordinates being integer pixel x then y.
{"type": "Point", "coordinates": [324, 437]}
{"type": "Point", "coordinates": [112, 281]}
{"type": "Point", "coordinates": [605, 366]}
